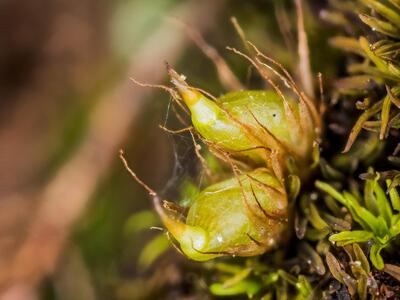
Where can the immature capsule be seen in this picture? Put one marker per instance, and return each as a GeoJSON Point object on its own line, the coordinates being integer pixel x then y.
{"type": "Point", "coordinates": [242, 216]}
{"type": "Point", "coordinates": [255, 126]}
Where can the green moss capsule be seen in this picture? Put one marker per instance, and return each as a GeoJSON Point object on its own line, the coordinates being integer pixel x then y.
{"type": "Point", "coordinates": [257, 127]}
{"type": "Point", "coordinates": [242, 216]}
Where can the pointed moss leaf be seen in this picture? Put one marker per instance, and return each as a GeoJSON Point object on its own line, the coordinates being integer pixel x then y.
{"type": "Point", "coordinates": [360, 214]}
{"type": "Point", "coordinates": [335, 267]}
{"type": "Point", "coordinates": [313, 258]}
{"type": "Point", "coordinates": [391, 92]}
{"type": "Point", "coordinates": [395, 229]}
{"type": "Point", "coordinates": [360, 256]}
{"type": "Point", "coordinates": [394, 70]}
{"type": "Point", "coordinates": [351, 284]}
{"type": "Point", "coordinates": [346, 44]}
{"type": "Point", "coordinates": [376, 74]}
{"type": "Point", "coordinates": [386, 48]}
{"type": "Point", "coordinates": [228, 268]}
{"type": "Point", "coordinates": [385, 114]}
{"type": "Point", "coordinates": [316, 155]}
{"type": "Point", "coordinates": [382, 230]}
{"type": "Point", "coordinates": [354, 85]}
{"type": "Point", "coordinates": [304, 286]}
{"type": "Point", "coordinates": [380, 26]}
{"type": "Point", "coordinates": [396, 181]}
{"type": "Point", "coordinates": [383, 203]}
{"type": "Point", "coordinates": [350, 252]}
{"type": "Point", "coordinates": [350, 237]}
{"type": "Point", "coordinates": [362, 288]}
{"type": "Point", "coordinates": [287, 277]}
{"type": "Point", "coordinates": [336, 18]}
{"type": "Point", "coordinates": [329, 172]}
{"type": "Point", "coordinates": [332, 206]}
{"type": "Point", "coordinates": [379, 63]}
{"type": "Point", "coordinates": [315, 219]}
{"type": "Point", "coordinates": [355, 192]}
{"type": "Point", "coordinates": [376, 257]}
{"type": "Point", "coordinates": [356, 269]}
{"type": "Point", "coordinates": [344, 6]}
{"type": "Point", "coordinates": [246, 287]}
{"type": "Point", "coordinates": [243, 274]}
{"type": "Point", "coordinates": [337, 224]}
{"type": "Point", "coordinates": [369, 197]}
{"type": "Point", "coordinates": [323, 247]}
{"type": "Point", "coordinates": [294, 185]}
{"type": "Point", "coordinates": [394, 195]}
{"type": "Point", "coordinates": [313, 234]}
{"type": "Point", "coordinates": [365, 116]}
{"type": "Point", "coordinates": [364, 68]}
{"type": "Point", "coordinates": [385, 11]}
{"type": "Point", "coordinates": [300, 225]}
{"type": "Point", "coordinates": [327, 188]}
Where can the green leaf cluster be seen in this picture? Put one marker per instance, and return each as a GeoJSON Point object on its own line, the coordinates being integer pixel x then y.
{"type": "Point", "coordinates": [379, 65]}
{"type": "Point", "coordinates": [377, 215]}
{"type": "Point", "coordinates": [257, 279]}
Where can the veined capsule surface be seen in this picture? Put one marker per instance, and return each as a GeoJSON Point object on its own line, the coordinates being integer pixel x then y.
{"type": "Point", "coordinates": [242, 216]}
{"type": "Point", "coordinates": [264, 113]}
{"type": "Point", "coordinates": [254, 126]}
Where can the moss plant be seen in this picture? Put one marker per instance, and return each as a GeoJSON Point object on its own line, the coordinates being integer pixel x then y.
{"type": "Point", "coordinates": [258, 225]}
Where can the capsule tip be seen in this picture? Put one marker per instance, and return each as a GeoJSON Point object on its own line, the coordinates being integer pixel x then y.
{"type": "Point", "coordinates": [189, 95]}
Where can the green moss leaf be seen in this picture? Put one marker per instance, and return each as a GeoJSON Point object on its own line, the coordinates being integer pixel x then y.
{"type": "Point", "coordinates": [394, 196]}
{"type": "Point", "coordinates": [246, 287]}
{"type": "Point", "coordinates": [384, 10]}
{"type": "Point", "coordinates": [335, 267]}
{"type": "Point", "coordinates": [380, 26]}
{"type": "Point", "coordinates": [350, 237]}
{"type": "Point", "coordinates": [383, 203]}
{"type": "Point", "coordinates": [347, 44]}
{"type": "Point", "coordinates": [376, 257]}
{"type": "Point", "coordinates": [360, 256]}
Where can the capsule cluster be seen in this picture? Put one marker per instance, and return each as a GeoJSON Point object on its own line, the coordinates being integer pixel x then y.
{"type": "Point", "coordinates": [267, 138]}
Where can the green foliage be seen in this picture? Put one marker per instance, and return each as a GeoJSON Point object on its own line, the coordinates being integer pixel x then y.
{"type": "Point", "coordinates": [380, 64]}
{"type": "Point", "coordinates": [377, 215]}
{"type": "Point", "coordinates": [255, 279]}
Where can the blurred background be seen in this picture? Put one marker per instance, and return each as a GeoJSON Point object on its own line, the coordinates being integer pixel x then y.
{"type": "Point", "coordinates": [73, 224]}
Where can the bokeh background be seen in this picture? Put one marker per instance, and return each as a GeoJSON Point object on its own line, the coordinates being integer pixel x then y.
{"type": "Point", "coordinates": [73, 224]}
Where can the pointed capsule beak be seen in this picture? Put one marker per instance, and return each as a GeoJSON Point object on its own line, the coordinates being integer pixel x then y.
{"type": "Point", "coordinates": [189, 95]}
{"type": "Point", "coordinates": [169, 218]}
{"type": "Point", "coordinates": [192, 239]}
